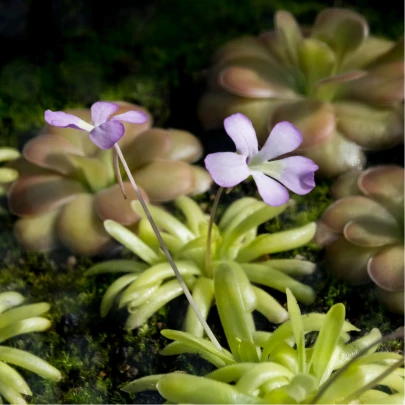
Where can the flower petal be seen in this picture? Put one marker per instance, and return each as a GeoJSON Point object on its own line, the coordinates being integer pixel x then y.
{"type": "Point", "coordinates": [283, 138]}
{"type": "Point", "coordinates": [241, 131]}
{"type": "Point", "coordinates": [295, 172]}
{"type": "Point", "coordinates": [39, 194]}
{"type": "Point", "coordinates": [134, 117]}
{"type": "Point", "coordinates": [110, 204]}
{"type": "Point", "coordinates": [272, 192]}
{"type": "Point", "coordinates": [101, 111]}
{"type": "Point", "coordinates": [107, 134]}
{"type": "Point", "coordinates": [63, 120]}
{"type": "Point", "coordinates": [80, 229]}
{"type": "Point", "coordinates": [227, 168]}
{"type": "Point", "coordinates": [386, 268]}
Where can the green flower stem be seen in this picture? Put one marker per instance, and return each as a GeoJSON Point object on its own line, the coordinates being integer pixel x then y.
{"type": "Point", "coordinates": [161, 271]}
{"type": "Point", "coordinates": [113, 290]}
{"type": "Point", "coordinates": [10, 299]}
{"type": "Point", "coordinates": [269, 307]}
{"type": "Point", "coordinates": [142, 384]}
{"type": "Point", "coordinates": [135, 297]}
{"type": "Point", "coordinates": [187, 389]}
{"type": "Point", "coordinates": [203, 294]}
{"type": "Point", "coordinates": [12, 396]}
{"type": "Point", "coordinates": [279, 281]}
{"type": "Point", "coordinates": [10, 377]}
{"type": "Point", "coordinates": [131, 241]}
{"type": "Point", "coordinates": [192, 212]}
{"type": "Point", "coordinates": [277, 242]}
{"type": "Point", "coordinates": [161, 297]}
{"type": "Point", "coordinates": [35, 324]}
{"type": "Point", "coordinates": [116, 266]}
{"type": "Point", "coordinates": [260, 374]}
{"type": "Point", "coordinates": [166, 251]}
{"type": "Point", "coordinates": [24, 312]}
{"type": "Point", "coordinates": [208, 259]}
{"type": "Point", "coordinates": [21, 358]}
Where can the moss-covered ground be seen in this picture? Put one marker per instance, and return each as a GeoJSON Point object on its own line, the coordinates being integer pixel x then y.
{"type": "Point", "coordinates": [154, 53]}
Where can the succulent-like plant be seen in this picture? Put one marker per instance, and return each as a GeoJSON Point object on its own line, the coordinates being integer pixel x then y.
{"type": "Point", "coordinates": [16, 320]}
{"type": "Point", "coordinates": [364, 231]}
{"type": "Point", "coordinates": [7, 174]}
{"type": "Point", "coordinates": [281, 367]}
{"type": "Point", "coordinates": [339, 86]}
{"type": "Point", "coordinates": [67, 185]}
{"type": "Point", "coordinates": [151, 284]}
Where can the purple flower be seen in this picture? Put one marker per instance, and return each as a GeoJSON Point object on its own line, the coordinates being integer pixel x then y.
{"type": "Point", "coordinates": [229, 169]}
{"type": "Point", "coordinates": [105, 131]}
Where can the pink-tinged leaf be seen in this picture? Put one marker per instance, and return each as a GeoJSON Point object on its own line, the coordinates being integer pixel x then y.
{"type": "Point", "coordinates": [39, 194]}
{"type": "Point", "coordinates": [295, 172]}
{"type": "Point", "coordinates": [64, 120]}
{"type": "Point", "coordinates": [165, 180]}
{"type": "Point", "coordinates": [314, 119]}
{"type": "Point", "coordinates": [394, 301]}
{"type": "Point", "coordinates": [335, 156]}
{"type": "Point", "coordinates": [184, 146]}
{"type": "Point", "coordinates": [386, 268]}
{"type": "Point", "coordinates": [107, 134]}
{"type": "Point", "coordinates": [80, 229]}
{"type": "Point", "coordinates": [241, 131]}
{"type": "Point", "coordinates": [101, 111]}
{"type": "Point", "coordinates": [202, 180]}
{"type": "Point", "coordinates": [384, 183]}
{"type": "Point", "coordinates": [49, 151]}
{"type": "Point", "coordinates": [348, 261]}
{"type": "Point", "coordinates": [149, 145]}
{"type": "Point", "coordinates": [134, 117]}
{"type": "Point", "coordinates": [38, 233]}
{"type": "Point", "coordinates": [110, 204]}
{"type": "Point", "coordinates": [272, 192]}
{"type": "Point", "coordinates": [371, 232]}
{"type": "Point", "coordinates": [371, 127]}
{"type": "Point", "coordinates": [349, 208]}
{"type": "Point", "coordinates": [283, 138]}
{"type": "Point", "coordinates": [227, 168]}
{"type": "Point", "coordinates": [254, 83]}
{"type": "Point", "coordinates": [346, 184]}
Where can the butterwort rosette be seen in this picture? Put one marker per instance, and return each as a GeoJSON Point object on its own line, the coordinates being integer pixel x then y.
{"type": "Point", "coordinates": [67, 186]}
{"type": "Point", "coordinates": [271, 176]}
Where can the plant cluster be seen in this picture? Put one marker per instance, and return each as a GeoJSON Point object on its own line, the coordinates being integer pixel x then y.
{"type": "Point", "coordinates": [283, 367]}
{"type": "Point", "coordinates": [363, 231]}
{"type": "Point", "coordinates": [16, 320]}
{"type": "Point", "coordinates": [341, 87]}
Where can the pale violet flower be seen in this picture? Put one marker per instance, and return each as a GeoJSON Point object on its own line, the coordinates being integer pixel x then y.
{"type": "Point", "coordinates": [105, 131]}
{"type": "Point", "coordinates": [229, 169]}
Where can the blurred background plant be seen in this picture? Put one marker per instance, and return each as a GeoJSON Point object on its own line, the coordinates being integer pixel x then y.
{"type": "Point", "coordinates": [7, 175]}
{"type": "Point", "coordinates": [151, 284]}
{"type": "Point", "coordinates": [342, 88]}
{"type": "Point", "coordinates": [363, 231]}
{"type": "Point", "coordinates": [16, 320]}
{"type": "Point", "coordinates": [67, 186]}
{"type": "Point", "coordinates": [296, 363]}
